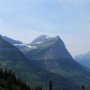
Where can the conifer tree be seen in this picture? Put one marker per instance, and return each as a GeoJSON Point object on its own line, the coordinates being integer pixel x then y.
{"type": "Point", "coordinates": [9, 84]}
{"type": "Point", "coordinates": [50, 85]}
{"type": "Point", "coordinates": [83, 87]}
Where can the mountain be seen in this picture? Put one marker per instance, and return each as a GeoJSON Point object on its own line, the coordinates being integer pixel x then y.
{"type": "Point", "coordinates": [48, 52]}
{"type": "Point", "coordinates": [48, 59]}
{"type": "Point", "coordinates": [47, 48]}
{"type": "Point", "coordinates": [11, 41]}
{"type": "Point", "coordinates": [12, 58]}
{"type": "Point", "coordinates": [20, 45]}
{"type": "Point", "coordinates": [51, 54]}
{"type": "Point", "coordinates": [9, 52]}
{"type": "Point", "coordinates": [84, 59]}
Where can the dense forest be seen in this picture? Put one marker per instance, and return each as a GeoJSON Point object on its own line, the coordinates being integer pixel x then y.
{"type": "Point", "coordinates": [9, 81]}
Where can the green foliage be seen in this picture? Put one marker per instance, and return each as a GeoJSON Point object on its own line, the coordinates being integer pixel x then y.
{"type": "Point", "coordinates": [8, 81]}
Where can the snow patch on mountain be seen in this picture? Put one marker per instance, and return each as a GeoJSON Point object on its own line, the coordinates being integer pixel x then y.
{"type": "Point", "coordinates": [26, 46]}
{"type": "Point", "coordinates": [39, 42]}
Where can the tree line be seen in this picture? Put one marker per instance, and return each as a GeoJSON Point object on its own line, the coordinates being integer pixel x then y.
{"type": "Point", "coordinates": [9, 81]}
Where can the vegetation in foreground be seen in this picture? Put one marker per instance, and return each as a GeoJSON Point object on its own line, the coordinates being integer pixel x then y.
{"type": "Point", "coordinates": [9, 81]}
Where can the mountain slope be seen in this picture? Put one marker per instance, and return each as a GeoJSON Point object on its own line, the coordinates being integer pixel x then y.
{"type": "Point", "coordinates": [11, 58]}
{"type": "Point", "coordinates": [50, 60]}
{"type": "Point", "coordinates": [84, 59]}
{"type": "Point", "coordinates": [52, 55]}
{"type": "Point", "coordinates": [18, 44]}
{"type": "Point", "coordinates": [48, 48]}
{"type": "Point", "coordinates": [11, 41]}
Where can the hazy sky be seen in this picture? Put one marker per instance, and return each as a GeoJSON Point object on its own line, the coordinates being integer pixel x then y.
{"type": "Point", "coordinates": [27, 19]}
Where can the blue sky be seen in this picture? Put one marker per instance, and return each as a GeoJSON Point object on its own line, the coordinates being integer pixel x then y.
{"type": "Point", "coordinates": [26, 19]}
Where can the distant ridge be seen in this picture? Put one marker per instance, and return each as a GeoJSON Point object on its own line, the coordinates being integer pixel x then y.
{"type": "Point", "coordinates": [84, 59]}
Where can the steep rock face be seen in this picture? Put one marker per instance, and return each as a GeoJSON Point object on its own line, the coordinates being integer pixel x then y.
{"type": "Point", "coordinates": [51, 54]}
{"type": "Point", "coordinates": [48, 48]}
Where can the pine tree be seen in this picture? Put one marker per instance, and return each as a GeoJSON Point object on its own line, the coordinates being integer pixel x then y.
{"type": "Point", "coordinates": [9, 84]}
{"type": "Point", "coordinates": [83, 87]}
{"type": "Point", "coordinates": [50, 85]}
